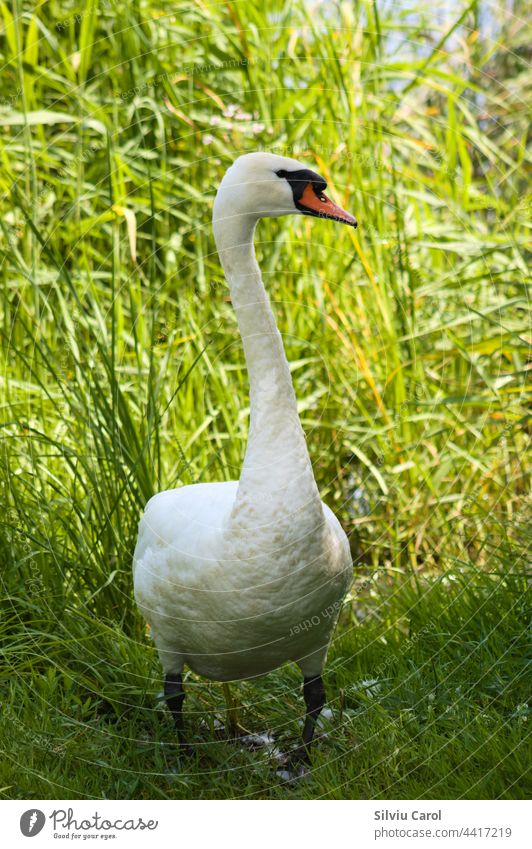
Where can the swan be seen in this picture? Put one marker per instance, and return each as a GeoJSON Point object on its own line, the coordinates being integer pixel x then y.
{"type": "Point", "coordinates": [238, 577]}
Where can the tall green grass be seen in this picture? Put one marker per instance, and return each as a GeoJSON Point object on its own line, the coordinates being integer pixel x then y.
{"type": "Point", "coordinates": [122, 371]}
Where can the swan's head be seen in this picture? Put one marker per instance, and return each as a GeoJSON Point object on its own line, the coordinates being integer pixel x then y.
{"type": "Point", "coordinates": [264, 185]}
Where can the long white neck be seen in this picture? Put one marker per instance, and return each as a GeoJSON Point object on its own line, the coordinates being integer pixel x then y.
{"type": "Point", "coordinates": [277, 473]}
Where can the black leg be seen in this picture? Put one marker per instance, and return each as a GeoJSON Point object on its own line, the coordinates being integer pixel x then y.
{"type": "Point", "coordinates": [314, 694]}
{"type": "Point", "coordinates": [175, 696]}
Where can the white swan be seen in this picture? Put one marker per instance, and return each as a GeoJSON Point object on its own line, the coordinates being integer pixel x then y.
{"type": "Point", "coordinates": [236, 578]}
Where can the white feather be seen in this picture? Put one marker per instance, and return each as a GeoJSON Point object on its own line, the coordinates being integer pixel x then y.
{"type": "Point", "coordinates": [236, 578]}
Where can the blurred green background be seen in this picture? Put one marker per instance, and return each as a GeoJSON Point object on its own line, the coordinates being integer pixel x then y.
{"type": "Point", "coordinates": [122, 373]}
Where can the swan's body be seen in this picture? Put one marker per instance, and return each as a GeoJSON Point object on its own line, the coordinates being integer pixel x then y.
{"type": "Point", "coordinates": [237, 578]}
{"type": "Point", "coordinates": [237, 602]}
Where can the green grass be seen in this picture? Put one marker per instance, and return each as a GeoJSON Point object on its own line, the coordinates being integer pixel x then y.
{"type": "Point", "coordinates": [428, 698]}
{"type": "Point", "coordinates": [121, 374]}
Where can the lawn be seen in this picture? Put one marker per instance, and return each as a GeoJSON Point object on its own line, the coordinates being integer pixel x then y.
{"type": "Point", "coordinates": [122, 373]}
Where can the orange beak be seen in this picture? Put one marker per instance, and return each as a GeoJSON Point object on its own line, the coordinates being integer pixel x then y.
{"type": "Point", "coordinates": [323, 207]}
